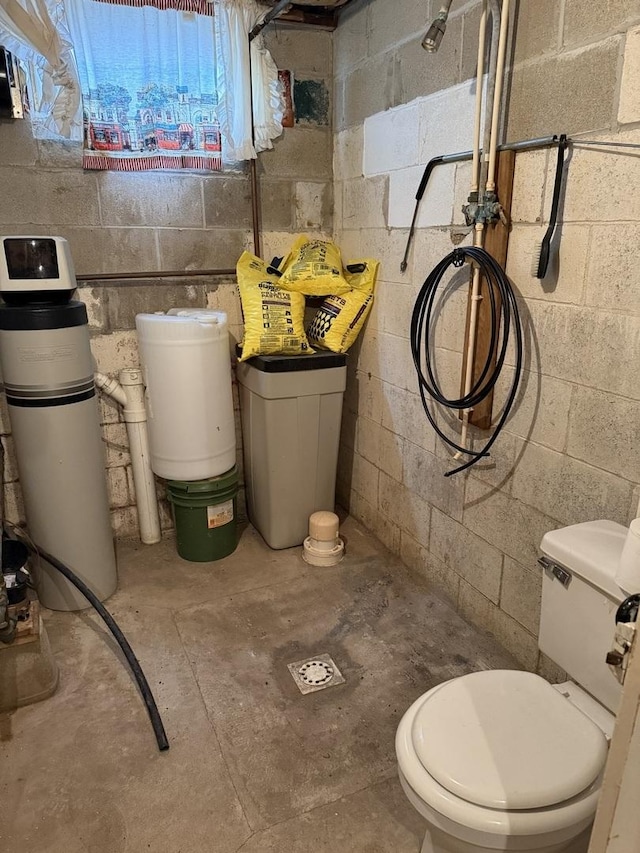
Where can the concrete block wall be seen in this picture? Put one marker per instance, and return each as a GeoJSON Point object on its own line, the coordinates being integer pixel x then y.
{"type": "Point", "coordinates": [570, 449]}
{"type": "Point", "coordinates": [165, 221]}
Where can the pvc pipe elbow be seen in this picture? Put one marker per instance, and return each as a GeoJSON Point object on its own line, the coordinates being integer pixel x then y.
{"type": "Point", "coordinates": [129, 393]}
{"type": "Point", "coordinates": [111, 388]}
{"type": "Point", "coordinates": [132, 381]}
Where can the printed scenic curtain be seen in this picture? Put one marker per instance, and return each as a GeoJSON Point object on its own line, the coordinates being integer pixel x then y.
{"type": "Point", "coordinates": [148, 76]}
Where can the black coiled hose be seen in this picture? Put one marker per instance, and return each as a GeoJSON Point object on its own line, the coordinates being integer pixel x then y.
{"type": "Point", "coordinates": [110, 622]}
{"type": "Point", "coordinates": [422, 334]}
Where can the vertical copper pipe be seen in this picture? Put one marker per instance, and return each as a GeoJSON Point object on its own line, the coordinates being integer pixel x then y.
{"type": "Point", "coordinates": [280, 7]}
{"type": "Point", "coordinates": [255, 208]}
{"type": "Point", "coordinates": [253, 173]}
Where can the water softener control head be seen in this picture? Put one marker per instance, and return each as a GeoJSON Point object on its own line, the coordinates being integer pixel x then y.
{"type": "Point", "coordinates": [36, 265]}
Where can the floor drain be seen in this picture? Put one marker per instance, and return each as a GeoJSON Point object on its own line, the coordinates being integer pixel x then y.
{"type": "Point", "coordinates": [315, 673]}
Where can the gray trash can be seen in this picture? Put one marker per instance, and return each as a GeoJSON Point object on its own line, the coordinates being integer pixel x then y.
{"type": "Point", "coordinates": [291, 410]}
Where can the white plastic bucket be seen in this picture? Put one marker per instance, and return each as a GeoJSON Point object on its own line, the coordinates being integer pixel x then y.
{"type": "Point", "coordinates": [187, 370]}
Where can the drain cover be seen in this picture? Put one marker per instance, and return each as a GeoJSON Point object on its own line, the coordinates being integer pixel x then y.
{"type": "Point", "coordinates": [315, 673]}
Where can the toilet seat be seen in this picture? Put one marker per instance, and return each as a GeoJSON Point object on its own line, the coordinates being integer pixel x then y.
{"type": "Point", "coordinates": [506, 739]}
{"type": "Point", "coordinates": [569, 815]}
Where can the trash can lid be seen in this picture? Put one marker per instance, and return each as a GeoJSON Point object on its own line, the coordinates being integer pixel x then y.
{"type": "Point", "coordinates": [287, 363]}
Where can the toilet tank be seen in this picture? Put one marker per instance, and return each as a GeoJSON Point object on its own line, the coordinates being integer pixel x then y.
{"type": "Point", "coordinates": [577, 620]}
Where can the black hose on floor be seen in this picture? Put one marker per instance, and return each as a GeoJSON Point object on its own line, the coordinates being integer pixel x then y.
{"type": "Point", "coordinates": [110, 622]}
{"type": "Point", "coordinates": [422, 338]}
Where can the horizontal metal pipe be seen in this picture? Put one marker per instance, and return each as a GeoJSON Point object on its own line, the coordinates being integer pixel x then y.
{"type": "Point", "coordinates": [603, 144]}
{"type": "Point", "coordinates": [458, 157]}
{"type": "Point", "coordinates": [124, 276]}
{"type": "Point", "coordinates": [524, 145]}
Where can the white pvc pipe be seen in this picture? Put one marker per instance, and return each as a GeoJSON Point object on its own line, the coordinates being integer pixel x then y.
{"type": "Point", "coordinates": [129, 393]}
{"type": "Point", "coordinates": [478, 234]}
{"type": "Point", "coordinates": [495, 8]}
{"type": "Point", "coordinates": [111, 388]}
{"type": "Point", "coordinates": [497, 98]}
{"type": "Point", "coordinates": [476, 298]}
{"type": "Point", "coordinates": [475, 170]}
{"type": "Point", "coordinates": [135, 418]}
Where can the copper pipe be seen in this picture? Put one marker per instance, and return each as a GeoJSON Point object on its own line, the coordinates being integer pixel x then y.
{"type": "Point", "coordinates": [254, 184]}
{"type": "Point", "coordinates": [125, 276]}
{"type": "Point", "coordinates": [255, 208]}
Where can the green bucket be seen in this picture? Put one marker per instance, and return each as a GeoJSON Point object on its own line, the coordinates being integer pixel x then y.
{"type": "Point", "coordinates": [204, 514]}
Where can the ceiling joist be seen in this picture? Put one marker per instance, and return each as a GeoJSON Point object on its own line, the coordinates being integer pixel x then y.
{"type": "Point", "coordinates": [320, 17]}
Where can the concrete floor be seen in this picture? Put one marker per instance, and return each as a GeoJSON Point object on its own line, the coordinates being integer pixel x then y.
{"type": "Point", "coordinates": [254, 765]}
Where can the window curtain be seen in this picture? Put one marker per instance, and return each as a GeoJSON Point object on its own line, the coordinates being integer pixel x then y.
{"type": "Point", "coordinates": [148, 75]}
{"type": "Point", "coordinates": [36, 32]}
{"type": "Point", "coordinates": [244, 69]}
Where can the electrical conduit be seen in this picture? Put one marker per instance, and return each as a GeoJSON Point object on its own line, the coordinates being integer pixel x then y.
{"type": "Point", "coordinates": [129, 393]}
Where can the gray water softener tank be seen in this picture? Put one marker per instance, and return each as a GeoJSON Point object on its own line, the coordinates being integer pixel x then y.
{"type": "Point", "coordinates": [48, 378]}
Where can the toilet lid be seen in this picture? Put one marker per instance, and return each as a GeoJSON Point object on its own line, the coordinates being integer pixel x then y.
{"type": "Point", "coordinates": [507, 740]}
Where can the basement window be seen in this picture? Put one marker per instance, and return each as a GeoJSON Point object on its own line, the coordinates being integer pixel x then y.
{"type": "Point", "coordinates": [164, 83]}
{"type": "Point", "coordinates": [149, 86]}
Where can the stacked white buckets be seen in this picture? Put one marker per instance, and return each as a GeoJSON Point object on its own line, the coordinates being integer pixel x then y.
{"type": "Point", "coordinates": [187, 369]}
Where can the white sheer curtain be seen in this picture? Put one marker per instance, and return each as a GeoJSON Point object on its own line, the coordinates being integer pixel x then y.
{"type": "Point", "coordinates": [36, 32]}
{"type": "Point", "coordinates": [241, 72]}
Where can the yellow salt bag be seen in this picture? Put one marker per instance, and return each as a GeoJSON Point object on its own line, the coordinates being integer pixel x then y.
{"type": "Point", "coordinates": [273, 316]}
{"type": "Point", "coordinates": [339, 319]}
{"type": "Point", "coordinates": [314, 267]}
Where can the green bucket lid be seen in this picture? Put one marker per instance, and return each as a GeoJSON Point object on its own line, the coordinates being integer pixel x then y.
{"type": "Point", "coordinates": [201, 487]}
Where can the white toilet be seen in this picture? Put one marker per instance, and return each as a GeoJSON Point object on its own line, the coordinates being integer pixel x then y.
{"type": "Point", "coordinates": [503, 760]}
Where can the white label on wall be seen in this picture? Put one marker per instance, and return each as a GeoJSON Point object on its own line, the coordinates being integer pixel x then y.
{"type": "Point", "coordinates": [219, 514]}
